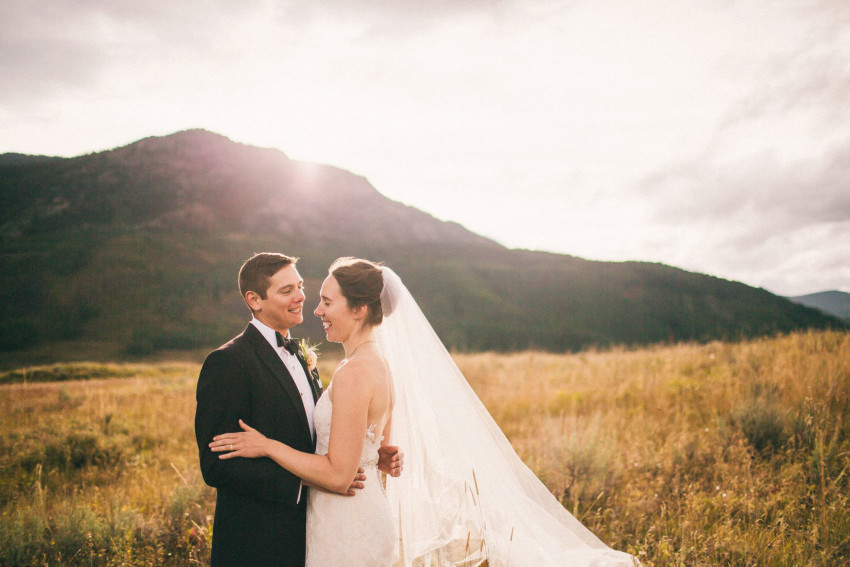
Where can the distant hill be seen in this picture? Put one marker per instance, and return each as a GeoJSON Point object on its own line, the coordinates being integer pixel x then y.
{"type": "Point", "coordinates": [835, 303]}
{"type": "Point", "coordinates": [139, 247]}
{"type": "Point", "coordinates": [15, 159]}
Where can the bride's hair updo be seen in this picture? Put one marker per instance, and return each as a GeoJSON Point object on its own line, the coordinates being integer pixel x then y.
{"type": "Point", "coordinates": [361, 283]}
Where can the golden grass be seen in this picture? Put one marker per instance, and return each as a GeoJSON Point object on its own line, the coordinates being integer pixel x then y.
{"type": "Point", "coordinates": [717, 454]}
{"type": "Point", "coordinates": [103, 472]}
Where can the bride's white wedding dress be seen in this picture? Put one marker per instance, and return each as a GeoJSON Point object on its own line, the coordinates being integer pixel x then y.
{"type": "Point", "coordinates": [464, 498]}
{"type": "Point", "coordinates": [349, 531]}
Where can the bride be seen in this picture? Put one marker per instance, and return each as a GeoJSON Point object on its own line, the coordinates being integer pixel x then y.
{"type": "Point", "coordinates": [465, 497]}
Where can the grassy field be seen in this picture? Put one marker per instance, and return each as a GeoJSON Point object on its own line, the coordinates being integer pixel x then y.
{"type": "Point", "coordinates": [717, 454]}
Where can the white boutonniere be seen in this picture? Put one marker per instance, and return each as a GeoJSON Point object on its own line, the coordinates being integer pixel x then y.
{"type": "Point", "coordinates": [309, 353]}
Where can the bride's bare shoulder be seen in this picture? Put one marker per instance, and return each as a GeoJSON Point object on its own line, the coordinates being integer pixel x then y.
{"type": "Point", "coordinates": [363, 374]}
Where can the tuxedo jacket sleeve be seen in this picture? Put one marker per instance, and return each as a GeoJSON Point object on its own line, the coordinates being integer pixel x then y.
{"type": "Point", "coordinates": [236, 382]}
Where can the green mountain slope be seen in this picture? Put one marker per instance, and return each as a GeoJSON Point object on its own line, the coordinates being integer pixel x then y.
{"type": "Point", "coordinates": [139, 247]}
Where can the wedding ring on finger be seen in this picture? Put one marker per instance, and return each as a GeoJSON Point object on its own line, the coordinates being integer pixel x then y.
{"type": "Point", "coordinates": [231, 446]}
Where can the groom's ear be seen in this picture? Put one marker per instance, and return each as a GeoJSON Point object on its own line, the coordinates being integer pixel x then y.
{"type": "Point", "coordinates": [252, 298]}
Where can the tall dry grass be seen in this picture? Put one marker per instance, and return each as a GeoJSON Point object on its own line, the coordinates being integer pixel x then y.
{"type": "Point", "coordinates": [102, 472]}
{"type": "Point", "coordinates": [718, 454]}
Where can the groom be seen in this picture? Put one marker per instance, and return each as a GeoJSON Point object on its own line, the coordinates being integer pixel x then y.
{"type": "Point", "coordinates": [262, 378]}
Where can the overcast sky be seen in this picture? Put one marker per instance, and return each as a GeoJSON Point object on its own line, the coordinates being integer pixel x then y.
{"type": "Point", "coordinates": [712, 135]}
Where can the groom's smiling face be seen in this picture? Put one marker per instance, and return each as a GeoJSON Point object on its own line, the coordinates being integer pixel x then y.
{"type": "Point", "coordinates": [282, 307]}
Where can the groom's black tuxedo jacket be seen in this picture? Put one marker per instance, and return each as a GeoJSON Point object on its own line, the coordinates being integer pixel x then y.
{"type": "Point", "coordinates": [258, 519]}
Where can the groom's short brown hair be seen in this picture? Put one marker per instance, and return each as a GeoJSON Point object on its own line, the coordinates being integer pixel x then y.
{"type": "Point", "coordinates": [255, 273]}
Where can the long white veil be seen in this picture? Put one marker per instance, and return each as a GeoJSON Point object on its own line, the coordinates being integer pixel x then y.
{"type": "Point", "coordinates": [465, 495]}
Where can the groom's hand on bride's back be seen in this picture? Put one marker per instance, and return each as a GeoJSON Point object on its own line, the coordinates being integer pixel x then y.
{"type": "Point", "coordinates": [390, 460]}
{"type": "Point", "coordinates": [357, 483]}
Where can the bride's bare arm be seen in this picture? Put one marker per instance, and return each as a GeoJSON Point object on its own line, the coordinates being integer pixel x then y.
{"type": "Point", "coordinates": [356, 484]}
{"type": "Point", "coordinates": [334, 471]}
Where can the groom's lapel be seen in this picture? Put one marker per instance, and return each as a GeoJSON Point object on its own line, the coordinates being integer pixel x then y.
{"type": "Point", "coordinates": [277, 368]}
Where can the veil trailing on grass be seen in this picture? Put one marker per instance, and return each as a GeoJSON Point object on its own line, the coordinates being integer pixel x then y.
{"type": "Point", "coordinates": [465, 496]}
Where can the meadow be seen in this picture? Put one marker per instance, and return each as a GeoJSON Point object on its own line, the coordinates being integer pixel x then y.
{"type": "Point", "coordinates": [689, 454]}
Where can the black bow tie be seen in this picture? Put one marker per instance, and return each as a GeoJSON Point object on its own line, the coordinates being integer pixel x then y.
{"type": "Point", "coordinates": [289, 344]}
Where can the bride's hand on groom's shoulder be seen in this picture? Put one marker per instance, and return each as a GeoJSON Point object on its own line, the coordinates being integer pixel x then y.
{"type": "Point", "coordinates": [390, 460]}
{"type": "Point", "coordinates": [248, 443]}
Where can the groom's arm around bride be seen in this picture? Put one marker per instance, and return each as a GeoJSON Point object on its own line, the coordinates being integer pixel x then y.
{"type": "Point", "coordinates": [224, 397]}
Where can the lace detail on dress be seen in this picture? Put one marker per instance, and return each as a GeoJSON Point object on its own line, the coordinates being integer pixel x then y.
{"type": "Point", "coordinates": [369, 456]}
{"type": "Point", "coordinates": [347, 531]}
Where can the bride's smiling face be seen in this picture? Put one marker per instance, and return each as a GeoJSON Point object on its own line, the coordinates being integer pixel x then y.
{"type": "Point", "coordinates": [338, 319]}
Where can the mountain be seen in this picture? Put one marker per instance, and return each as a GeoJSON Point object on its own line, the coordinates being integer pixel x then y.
{"type": "Point", "coordinates": [835, 303]}
{"type": "Point", "coordinates": [138, 248]}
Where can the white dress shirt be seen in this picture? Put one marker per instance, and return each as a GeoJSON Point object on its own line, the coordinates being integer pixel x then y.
{"type": "Point", "coordinates": [295, 370]}
{"type": "Point", "coordinates": [298, 376]}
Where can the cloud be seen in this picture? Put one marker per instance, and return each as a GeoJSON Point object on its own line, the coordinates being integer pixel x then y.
{"type": "Point", "coordinates": [41, 51]}
{"type": "Point", "coordinates": [767, 198]}
{"type": "Point", "coordinates": [52, 49]}
{"type": "Point", "coordinates": [28, 71]}
{"type": "Point", "coordinates": [760, 220]}
{"type": "Point", "coordinates": [807, 76]}
{"type": "Point", "coordinates": [384, 15]}
{"type": "Point", "coordinates": [798, 192]}
{"type": "Point", "coordinates": [805, 260]}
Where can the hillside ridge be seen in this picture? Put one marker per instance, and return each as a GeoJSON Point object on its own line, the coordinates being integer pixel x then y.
{"type": "Point", "coordinates": [138, 247]}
